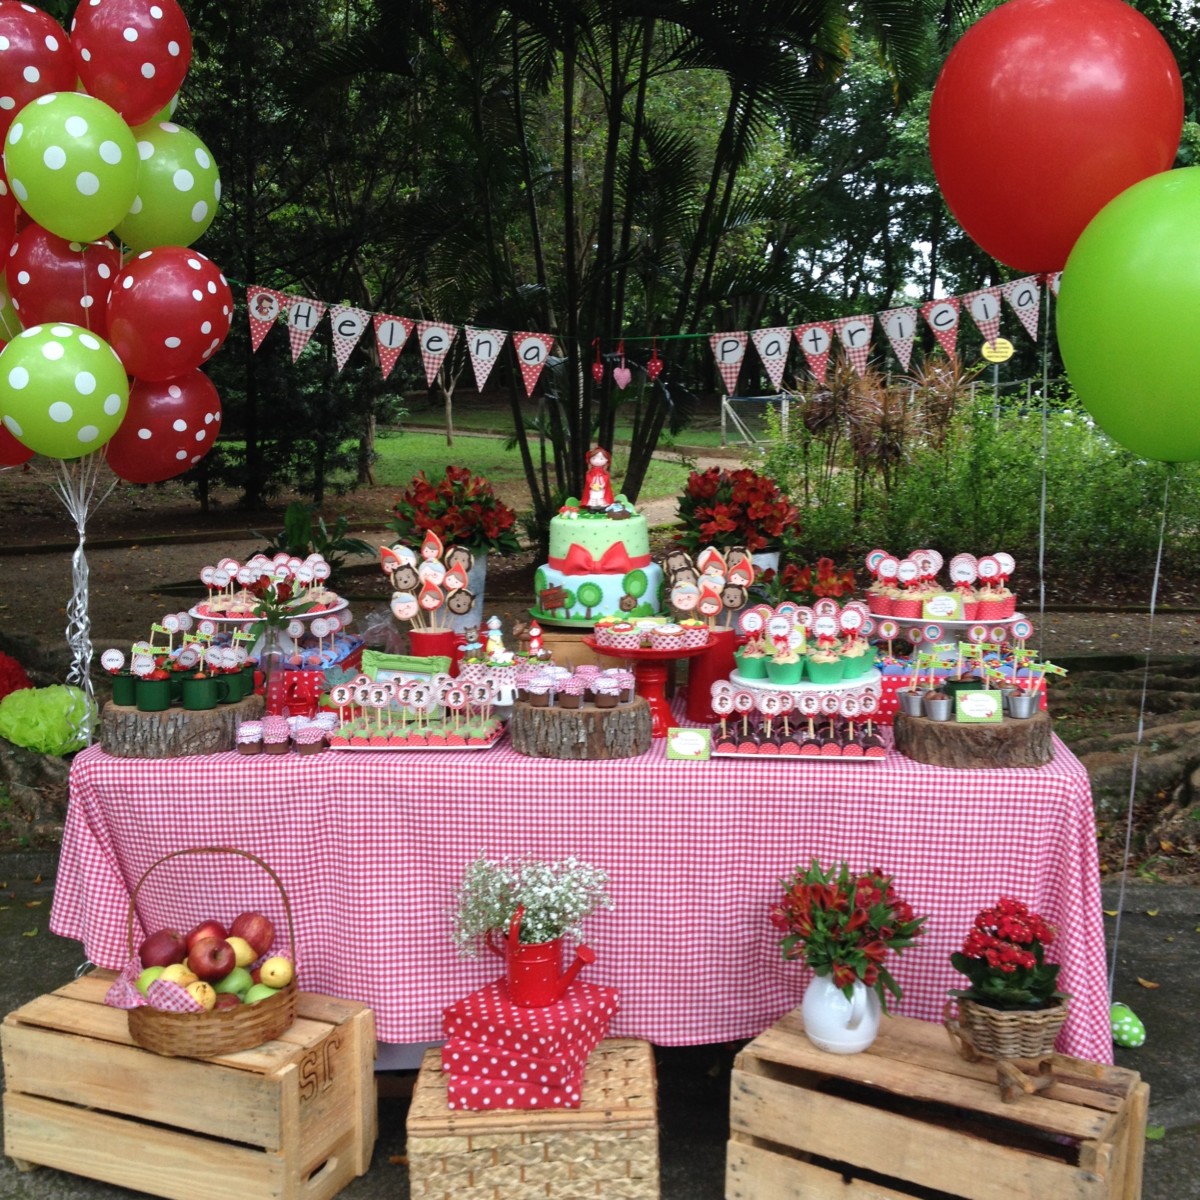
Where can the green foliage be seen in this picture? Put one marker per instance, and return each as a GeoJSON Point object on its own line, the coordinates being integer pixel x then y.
{"type": "Point", "coordinates": [300, 537]}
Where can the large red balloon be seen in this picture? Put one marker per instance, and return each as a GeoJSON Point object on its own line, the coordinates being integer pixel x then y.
{"type": "Point", "coordinates": [168, 428]}
{"type": "Point", "coordinates": [35, 58]}
{"type": "Point", "coordinates": [9, 208]}
{"type": "Point", "coordinates": [52, 279]}
{"type": "Point", "coordinates": [168, 312]}
{"type": "Point", "coordinates": [1044, 112]}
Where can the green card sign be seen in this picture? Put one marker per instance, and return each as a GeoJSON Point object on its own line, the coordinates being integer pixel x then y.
{"type": "Point", "coordinates": [692, 745]}
{"type": "Point", "coordinates": [978, 707]}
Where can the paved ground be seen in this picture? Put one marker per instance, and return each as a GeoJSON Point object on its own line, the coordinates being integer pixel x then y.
{"type": "Point", "coordinates": [1159, 944]}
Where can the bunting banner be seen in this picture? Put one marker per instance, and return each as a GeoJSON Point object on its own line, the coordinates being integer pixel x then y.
{"type": "Point", "coordinates": [942, 316]}
{"type": "Point", "coordinates": [984, 307]}
{"type": "Point", "coordinates": [303, 317]}
{"type": "Point", "coordinates": [391, 334]}
{"type": "Point", "coordinates": [263, 307]}
{"type": "Point", "coordinates": [1024, 297]}
{"type": "Point", "coordinates": [1052, 281]}
{"type": "Point", "coordinates": [483, 346]}
{"type": "Point", "coordinates": [816, 341]}
{"type": "Point", "coordinates": [855, 335]}
{"type": "Point", "coordinates": [348, 325]}
{"type": "Point", "coordinates": [532, 351]}
{"type": "Point", "coordinates": [900, 327]}
{"type": "Point", "coordinates": [435, 341]}
{"type": "Point", "coordinates": [772, 346]}
{"type": "Point", "coordinates": [729, 349]}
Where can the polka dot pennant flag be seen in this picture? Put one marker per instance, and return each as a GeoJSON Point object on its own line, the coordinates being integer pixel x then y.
{"type": "Point", "coordinates": [984, 307]}
{"type": "Point", "coordinates": [264, 306]}
{"type": "Point", "coordinates": [391, 334]}
{"type": "Point", "coordinates": [532, 351]}
{"type": "Point", "coordinates": [900, 326]}
{"type": "Point", "coordinates": [772, 346]}
{"type": "Point", "coordinates": [942, 316]}
{"type": "Point", "coordinates": [855, 335]}
{"type": "Point", "coordinates": [348, 325]}
{"type": "Point", "coordinates": [435, 340]}
{"type": "Point", "coordinates": [729, 349]}
{"type": "Point", "coordinates": [816, 340]}
{"type": "Point", "coordinates": [1025, 299]}
{"type": "Point", "coordinates": [303, 317]}
{"type": "Point", "coordinates": [1052, 281]}
{"type": "Point", "coordinates": [484, 346]}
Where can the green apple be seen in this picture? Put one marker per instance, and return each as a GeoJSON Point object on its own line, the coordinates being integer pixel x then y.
{"type": "Point", "coordinates": [260, 991]}
{"type": "Point", "coordinates": [146, 978]}
{"type": "Point", "coordinates": [236, 982]}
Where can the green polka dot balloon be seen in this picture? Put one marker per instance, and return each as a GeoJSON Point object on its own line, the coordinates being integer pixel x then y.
{"type": "Point", "coordinates": [72, 164]}
{"type": "Point", "coordinates": [63, 390]}
{"type": "Point", "coordinates": [178, 188]}
{"type": "Point", "coordinates": [1127, 1029]}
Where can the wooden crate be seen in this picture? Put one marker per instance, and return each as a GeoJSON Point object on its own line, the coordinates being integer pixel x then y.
{"type": "Point", "coordinates": [295, 1117]}
{"type": "Point", "coordinates": [608, 1147]}
{"type": "Point", "coordinates": [910, 1118]}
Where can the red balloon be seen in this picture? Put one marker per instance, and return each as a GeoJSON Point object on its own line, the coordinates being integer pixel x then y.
{"type": "Point", "coordinates": [1045, 111]}
{"type": "Point", "coordinates": [169, 427]}
{"type": "Point", "coordinates": [9, 208]}
{"type": "Point", "coordinates": [52, 279]}
{"type": "Point", "coordinates": [132, 54]}
{"type": "Point", "coordinates": [12, 453]}
{"type": "Point", "coordinates": [36, 59]}
{"type": "Point", "coordinates": [168, 312]}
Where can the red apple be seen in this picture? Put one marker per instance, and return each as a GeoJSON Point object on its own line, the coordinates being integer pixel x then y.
{"type": "Point", "coordinates": [228, 1000]}
{"type": "Point", "coordinates": [163, 948]}
{"type": "Point", "coordinates": [255, 929]}
{"type": "Point", "coordinates": [211, 958]}
{"type": "Point", "coordinates": [206, 929]}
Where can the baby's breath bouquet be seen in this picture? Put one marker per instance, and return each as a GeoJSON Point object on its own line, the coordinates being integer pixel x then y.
{"type": "Point", "coordinates": [556, 897]}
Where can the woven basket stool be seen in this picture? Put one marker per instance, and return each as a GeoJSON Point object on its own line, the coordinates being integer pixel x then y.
{"type": "Point", "coordinates": [608, 1147]}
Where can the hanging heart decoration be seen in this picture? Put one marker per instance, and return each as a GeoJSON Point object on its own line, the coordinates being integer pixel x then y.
{"type": "Point", "coordinates": [622, 374]}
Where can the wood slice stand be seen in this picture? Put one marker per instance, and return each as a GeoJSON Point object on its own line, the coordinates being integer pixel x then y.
{"type": "Point", "coordinates": [1011, 743]}
{"type": "Point", "coordinates": [127, 732]}
{"type": "Point", "coordinates": [581, 733]}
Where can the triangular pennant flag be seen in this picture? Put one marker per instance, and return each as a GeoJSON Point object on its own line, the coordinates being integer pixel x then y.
{"type": "Point", "coordinates": [263, 306]}
{"type": "Point", "coordinates": [1053, 280]}
{"type": "Point", "coordinates": [942, 316]}
{"type": "Point", "coordinates": [435, 341]}
{"type": "Point", "coordinates": [348, 325]}
{"type": "Point", "coordinates": [816, 340]}
{"type": "Point", "coordinates": [391, 333]}
{"type": "Point", "coordinates": [984, 307]}
{"type": "Point", "coordinates": [1025, 299]}
{"type": "Point", "coordinates": [484, 346]}
{"type": "Point", "coordinates": [772, 346]}
{"type": "Point", "coordinates": [532, 350]}
{"type": "Point", "coordinates": [729, 349]}
{"type": "Point", "coordinates": [900, 325]}
{"type": "Point", "coordinates": [855, 335]}
{"type": "Point", "coordinates": [303, 317]}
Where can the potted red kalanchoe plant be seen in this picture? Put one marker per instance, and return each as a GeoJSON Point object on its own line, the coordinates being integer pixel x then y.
{"type": "Point", "coordinates": [461, 508]}
{"type": "Point", "coordinates": [844, 925]}
{"type": "Point", "coordinates": [734, 508]}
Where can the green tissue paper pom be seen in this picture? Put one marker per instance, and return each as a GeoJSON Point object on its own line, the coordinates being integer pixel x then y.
{"type": "Point", "coordinates": [1127, 1029]}
{"type": "Point", "coordinates": [49, 720]}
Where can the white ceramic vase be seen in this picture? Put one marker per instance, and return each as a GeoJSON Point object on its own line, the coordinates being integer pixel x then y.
{"type": "Point", "coordinates": [838, 1025]}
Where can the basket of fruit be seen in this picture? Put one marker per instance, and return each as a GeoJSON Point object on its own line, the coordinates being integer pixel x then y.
{"type": "Point", "coordinates": [231, 992]}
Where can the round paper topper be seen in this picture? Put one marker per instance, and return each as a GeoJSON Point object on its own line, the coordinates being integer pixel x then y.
{"type": "Point", "coordinates": [112, 660]}
{"type": "Point", "coordinates": [888, 629]}
{"type": "Point", "coordinates": [868, 702]}
{"type": "Point", "coordinates": [874, 558]}
{"type": "Point", "coordinates": [1021, 629]}
{"type": "Point", "coordinates": [743, 701]}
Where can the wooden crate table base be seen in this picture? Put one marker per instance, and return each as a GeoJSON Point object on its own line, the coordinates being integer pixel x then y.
{"type": "Point", "coordinates": [909, 1117]}
{"type": "Point", "coordinates": [606, 1149]}
{"type": "Point", "coordinates": [293, 1119]}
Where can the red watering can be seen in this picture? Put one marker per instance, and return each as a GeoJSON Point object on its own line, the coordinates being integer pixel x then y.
{"type": "Point", "coordinates": [535, 975]}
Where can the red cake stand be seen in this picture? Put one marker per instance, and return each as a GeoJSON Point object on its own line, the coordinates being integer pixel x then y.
{"type": "Point", "coordinates": [650, 677]}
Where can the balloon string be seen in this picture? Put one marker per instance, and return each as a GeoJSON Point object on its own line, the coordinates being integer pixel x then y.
{"type": "Point", "coordinates": [1137, 745]}
{"type": "Point", "coordinates": [1045, 456]}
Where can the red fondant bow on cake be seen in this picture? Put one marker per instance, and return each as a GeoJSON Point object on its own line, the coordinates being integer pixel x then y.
{"type": "Point", "coordinates": [616, 560]}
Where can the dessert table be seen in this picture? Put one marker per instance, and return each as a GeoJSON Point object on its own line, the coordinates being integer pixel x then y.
{"type": "Point", "coordinates": [370, 848]}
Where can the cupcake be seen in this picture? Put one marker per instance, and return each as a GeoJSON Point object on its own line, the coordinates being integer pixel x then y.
{"type": "Point", "coordinates": [908, 604]}
{"type": "Point", "coordinates": [625, 637]}
{"type": "Point", "coordinates": [785, 667]}
{"type": "Point", "coordinates": [824, 666]}
{"type": "Point", "coordinates": [858, 657]}
{"type": "Point", "coordinates": [751, 660]}
{"type": "Point", "coordinates": [996, 604]}
{"type": "Point", "coordinates": [276, 735]}
{"type": "Point", "coordinates": [602, 631]}
{"type": "Point", "coordinates": [666, 637]}
{"type": "Point", "coordinates": [878, 599]}
{"type": "Point", "coordinates": [250, 737]}
{"type": "Point", "coordinates": [695, 633]}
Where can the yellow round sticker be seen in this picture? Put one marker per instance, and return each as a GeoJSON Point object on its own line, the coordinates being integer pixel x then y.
{"type": "Point", "coordinates": [998, 351]}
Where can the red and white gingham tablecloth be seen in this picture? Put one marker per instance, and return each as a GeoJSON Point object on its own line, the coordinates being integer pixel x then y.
{"type": "Point", "coordinates": [371, 846]}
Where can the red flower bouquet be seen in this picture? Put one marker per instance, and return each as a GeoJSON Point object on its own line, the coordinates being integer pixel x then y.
{"type": "Point", "coordinates": [461, 508]}
{"type": "Point", "coordinates": [734, 508]}
{"type": "Point", "coordinates": [1004, 958]}
{"type": "Point", "coordinates": [800, 585]}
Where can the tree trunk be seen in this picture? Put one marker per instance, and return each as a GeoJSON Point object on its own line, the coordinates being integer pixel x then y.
{"type": "Point", "coordinates": [581, 733]}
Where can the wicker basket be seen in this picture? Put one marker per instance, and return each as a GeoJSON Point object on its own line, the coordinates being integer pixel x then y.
{"type": "Point", "coordinates": [221, 1031]}
{"type": "Point", "coordinates": [983, 1032]}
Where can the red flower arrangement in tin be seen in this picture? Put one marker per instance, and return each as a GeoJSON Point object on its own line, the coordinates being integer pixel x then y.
{"type": "Point", "coordinates": [1004, 958]}
{"type": "Point", "coordinates": [461, 508]}
{"type": "Point", "coordinates": [734, 508]}
{"type": "Point", "coordinates": [801, 585]}
{"type": "Point", "coordinates": [844, 925]}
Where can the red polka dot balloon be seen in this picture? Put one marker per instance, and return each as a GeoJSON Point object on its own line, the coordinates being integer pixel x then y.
{"type": "Point", "coordinates": [52, 279]}
{"type": "Point", "coordinates": [35, 58]}
{"type": "Point", "coordinates": [12, 453]}
{"type": "Point", "coordinates": [132, 54]}
{"type": "Point", "coordinates": [169, 311]}
{"type": "Point", "coordinates": [9, 208]}
{"type": "Point", "coordinates": [169, 427]}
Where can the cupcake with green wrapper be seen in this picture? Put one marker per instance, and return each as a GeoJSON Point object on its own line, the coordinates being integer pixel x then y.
{"type": "Point", "coordinates": [751, 659]}
{"type": "Point", "coordinates": [825, 665]}
{"type": "Point", "coordinates": [786, 667]}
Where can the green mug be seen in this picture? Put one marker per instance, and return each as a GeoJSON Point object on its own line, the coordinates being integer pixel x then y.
{"type": "Point", "coordinates": [237, 686]}
{"type": "Point", "coordinates": [124, 688]}
{"type": "Point", "coordinates": [153, 695]}
{"type": "Point", "coordinates": [204, 691]}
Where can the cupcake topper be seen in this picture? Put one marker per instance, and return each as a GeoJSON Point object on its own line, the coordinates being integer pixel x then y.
{"type": "Point", "coordinates": [1021, 630]}
{"type": "Point", "coordinates": [220, 579]}
{"type": "Point", "coordinates": [206, 629]}
{"type": "Point", "coordinates": [206, 578]}
{"type": "Point", "coordinates": [295, 629]}
{"type": "Point", "coordinates": [826, 607]}
{"type": "Point", "coordinates": [803, 617]}
{"type": "Point", "coordinates": [1008, 564]}
{"type": "Point", "coordinates": [809, 703]}
{"type": "Point", "coordinates": [112, 660]}
{"type": "Point", "coordinates": [849, 705]}
{"type": "Point", "coordinates": [142, 664]}
{"type": "Point", "coordinates": [874, 559]}
{"type": "Point", "coordinates": [908, 571]}
{"type": "Point", "coordinates": [999, 635]}
{"type": "Point", "coordinates": [722, 705]}
{"type": "Point", "coordinates": [306, 574]}
{"type": "Point", "coordinates": [830, 703]}
{"type": "Point", "coordinates": [851, 620]}
{"type": "Point", "coordinates": [989, 569]}
{"type": "Point", "coordinates": [750, 621]}
{"type": "Point", "coordinates": [932, 633]}
{"type": "Point", "coordinates": [889, 568]}
{"type": "Point", "coordinates": [185, 622]}
{"type": "Point", "coordinates": [868, 702]}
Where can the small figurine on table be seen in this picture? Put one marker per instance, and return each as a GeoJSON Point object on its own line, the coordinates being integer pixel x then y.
{"type": "Point", "coordinates": [535, 638]}
{"type": "Point", "coordinates": [597, 486]}
{"type": "Point", "coordinates": [494, 645]}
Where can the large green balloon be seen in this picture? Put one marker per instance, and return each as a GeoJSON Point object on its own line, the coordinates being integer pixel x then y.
{"type": "Point", "coordinates": [63, 390]}
{"type": "Point", "coordinates": [1127, 307]}
{"type": "Point", "coordinates": [10, 322]}
{"type": "Point", "coordinates": [177, 190]}
{"type": "Point", "coordinates": [72, 164]}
